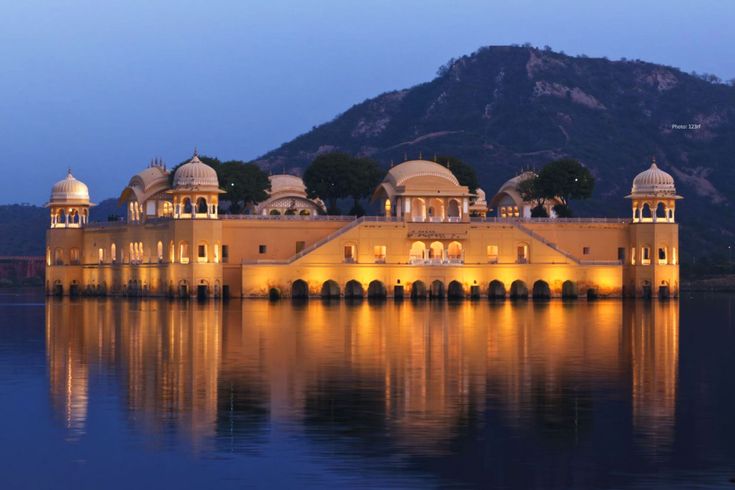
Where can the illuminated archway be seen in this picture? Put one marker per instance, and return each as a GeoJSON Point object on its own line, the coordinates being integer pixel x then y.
{"type": "Point", "coordinates": [455, 290]}
{"type": "Point", "coordinates": [496, 290]}
{"type": "Point", "coordinates": [518, 290]}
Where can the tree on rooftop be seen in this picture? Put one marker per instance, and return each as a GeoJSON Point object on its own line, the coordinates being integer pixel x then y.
{"type": "Point", "coordinates": [465, 173]}
{"type": "Point", "coordinates": [564, 179]}
{"type": "Point", "coordinates": [328, 177]}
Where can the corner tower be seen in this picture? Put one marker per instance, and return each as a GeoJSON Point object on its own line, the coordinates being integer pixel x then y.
{"type": "Point", "coordinates": [69, 206]}
{"type": "Point", "coordinates": [653, 264]}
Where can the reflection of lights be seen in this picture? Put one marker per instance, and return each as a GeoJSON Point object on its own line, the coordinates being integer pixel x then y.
{"type": "Point", "coordinates": [430, 363]}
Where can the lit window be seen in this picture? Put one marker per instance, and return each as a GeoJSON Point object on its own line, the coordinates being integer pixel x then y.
{"type": "Point", "coordinates": [379, 253]}
{"type": "Point", "coordinates": [349, 253]}
{"type": "Point", "coordinates": [101, 255]}
{"type": "Point", "coordinates": [492, 254]}
{"type": "Point", "coordinates": [646, 255]}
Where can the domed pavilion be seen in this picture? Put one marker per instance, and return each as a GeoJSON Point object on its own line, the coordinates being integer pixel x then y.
{"type": "Point", "coordinates": [420, 190]}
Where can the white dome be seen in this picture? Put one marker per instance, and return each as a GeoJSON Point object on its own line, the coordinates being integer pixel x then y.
{"type": "Point", "coordinates": [287, 184]}
{"type": "Point", "coordinates": [653, 181]}
{"type": "Point", "coordinates": [70, 190]}
{"type": "Point", "coordinates": [412, 169]}
{"type": "Point", "coordinates": [195, 174]}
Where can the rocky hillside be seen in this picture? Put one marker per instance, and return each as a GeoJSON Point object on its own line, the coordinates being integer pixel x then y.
{"type": "Point", "coordinates": [503, 109]}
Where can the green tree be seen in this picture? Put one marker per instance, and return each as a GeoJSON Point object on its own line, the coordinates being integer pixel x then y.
{"type": "Point", "coordinates": [563, 179]}
{"type": "Point", "coordinates": [465, 173]}
{"type": "Point", "coordinates": [328, 177]}
{"type": "Point", "coordinates": [566, 179]}
{"type": "Point", "coordinates": [365, 175]}
{"type": "Point", "coordinates": [244, 184]}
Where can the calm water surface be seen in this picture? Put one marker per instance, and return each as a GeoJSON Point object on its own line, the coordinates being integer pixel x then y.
{"type": "Point", "coordinates": [157, 394]}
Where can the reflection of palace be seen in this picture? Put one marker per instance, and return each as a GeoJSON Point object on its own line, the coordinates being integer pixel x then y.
{"type": "Point", "coordinates": [413, 370]}
{"type": "Point", "coordinates": [433, 238]}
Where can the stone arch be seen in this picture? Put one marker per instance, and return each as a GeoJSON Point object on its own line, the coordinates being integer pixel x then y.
{"type": "Point", "coordinates": [202, 206]}
{"type": "Point", "coordinates": [569, 290]}
{"type": "Point", "coordinates": [290, 212]}
{"type": "Point", "coordinates": [518, 290]}
{"type": "Point", "coordinates": [455, 290]}
{"type": "Point", "coordinates": [304, 212]}
{"type": "Point", "coordinates": [376, 290]}
{"type": "Point", "coordinates": [661, 212]}
{"type": "Point", "coordinates": [454, 250]}
{"type": "Point", "coordinates": [274, 212]}
{"type": "Point", "coordinates": [353, 290]}
{"type": "Point", "coordinates": [418, 290]}
{"type": "Point", "coordinates": [645, 212]}
{"type": "Point", "coordinates": [330, 289]}
{"type": "Point", "coordinates": [435, 211]}
{"type": "Point", "coordinates": [299, 289]}
{"type": "Point", "coordinates": [541, 290]}
{"type": "Point", "coordinates": [436, 251]}
{"type": "Point", "coordinates": [418, 209]}
{"type": "Point", "coordinates": [496, 290]}
{"type": "Point", "coordinates": [418, 251]}
{"type": "Point", "coordinates": [437, 290]}
{"type": "Point", "coordinates": [186, 206]}
{"type": "Point", "coordinates": [453, 209]}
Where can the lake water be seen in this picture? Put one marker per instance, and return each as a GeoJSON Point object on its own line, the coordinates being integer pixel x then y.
{"type": "Point", "coordinates": [111, 393]}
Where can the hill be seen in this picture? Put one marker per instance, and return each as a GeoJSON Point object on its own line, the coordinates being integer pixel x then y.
{"type": "Point", "coordinates": [23, 227]}
{"type": "Point", "coordinates": [505, 108]}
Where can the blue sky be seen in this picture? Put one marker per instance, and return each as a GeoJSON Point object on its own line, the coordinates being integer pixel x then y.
{"type": "Point", "coordinates": [103, 86]}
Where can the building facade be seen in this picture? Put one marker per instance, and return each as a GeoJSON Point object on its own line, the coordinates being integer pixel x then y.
{"type": "Point", "coordinates": [434, 238]}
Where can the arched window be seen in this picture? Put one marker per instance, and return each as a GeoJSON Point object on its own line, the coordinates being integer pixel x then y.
{"type": "Point", "coordinates": [216, 252]}
{"type": "Point", "coordinates": [74, 256]}
{"type": "Point", "coordinates": [418, 209]}
{"type": "Point", "coordinates": [171, 252]}
{"type": "Point", "coordinates": [48, 256]}
{"type": "Point", "coordinates": [59, 256]}
{"type": "Point", "coordinates": [661, 211]}
{"type": "Point", "coordinates": [418, 252]}
{"type": "Point", "coordinates": [436, 251]}
{"type": "Point", "coordinates": [113, 253]}
{"type": "Point", "coordinates": [167, 209]}
{"type": "Point", "coordinates": [453, 209]}
{"type": "Point", "coordinates": [159, 249]}
{"type": "Point", "coordinates": [101, 255]}
{"type": "Point", "coordinates": [184, 252]}
{"type": "Point", "coordinates": [274, 212]}
{"type": "Point", "coordinates": [454, 251]}
{"type": "Point", "coordinates": [186, 205]}
{"type": "Point", "coordinates": [202, 206]}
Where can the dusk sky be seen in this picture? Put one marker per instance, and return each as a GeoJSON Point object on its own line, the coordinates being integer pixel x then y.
{"type": "Point", "coordinates": [105, 86]}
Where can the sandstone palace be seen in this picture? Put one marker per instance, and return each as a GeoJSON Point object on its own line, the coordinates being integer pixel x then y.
{"type": "Point", "coordinates": [433, 239]}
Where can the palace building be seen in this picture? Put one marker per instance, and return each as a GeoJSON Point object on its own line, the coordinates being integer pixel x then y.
{"type": "Point", "coordinates": [434, 238]}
